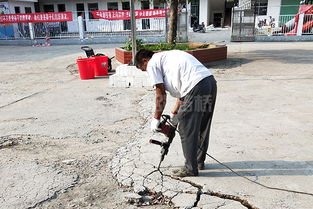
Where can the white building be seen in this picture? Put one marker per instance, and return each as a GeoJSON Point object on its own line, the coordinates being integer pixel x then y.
{"type": "Point", "coordinates": [198, 11]}
{"type": "Point", "coordinates": [207, 11]}
{"type": "Point", "coordinates": [15, 7]}
{"type": "Point", "coordinates": [83, 8]}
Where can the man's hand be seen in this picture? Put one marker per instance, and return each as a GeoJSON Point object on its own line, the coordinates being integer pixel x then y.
{"type": "Point", "coordinates": [174, 118]}
{"type": "Point", "coordinates": [155, 125]}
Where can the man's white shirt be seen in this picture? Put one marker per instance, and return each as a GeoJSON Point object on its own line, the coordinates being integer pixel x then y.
{"type": "Point", "coordinates": [177, 70]}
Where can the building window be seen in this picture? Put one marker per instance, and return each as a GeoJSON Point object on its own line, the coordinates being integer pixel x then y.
{"type": "Point", "coordinates": [48, 8]}
{"type": "Point", "coordinates": [28, 10]}
{"type": "Point", "coordinates": [112, 6]}
{"type": "Point", "coordinates": [158, 5]}
{"type": "Point", "coordinates": [61, 8]}
{"type": "Point", "coordinates": [92, 7]}
{"type": "Point", "coordinates": [80, 10]}
{"type": "Point", "coordinates": [261, 7]}
{"type": "Point", "coordinates": [17, 10]}
{"type": "Point", "coordinates": [145, 4]}
{"type": "Point", "coordinates": [125, 5]}
{"type": "Point", "coordinates": [37, 7]}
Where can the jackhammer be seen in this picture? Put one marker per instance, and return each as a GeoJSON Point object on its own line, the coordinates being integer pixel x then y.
{"type": "Point", "coordinates": [168, 129]}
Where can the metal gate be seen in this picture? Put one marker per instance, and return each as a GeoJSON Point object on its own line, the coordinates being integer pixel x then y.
{"type": "Point", "coordinates": [243, 25]}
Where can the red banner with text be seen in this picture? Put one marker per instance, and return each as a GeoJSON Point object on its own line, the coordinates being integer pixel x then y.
{"type": "Point", "coordinates": [125, 14]}
{"type": "Point", "coordinates": [36, 17]}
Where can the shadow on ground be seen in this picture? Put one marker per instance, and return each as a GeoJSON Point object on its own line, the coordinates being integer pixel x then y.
{"type": "Point", "coordinates": [261, 168]}
{"type": "Point", "coordinates": [228, 63]}
{"type": "Point", "coordinates": [285, 56]}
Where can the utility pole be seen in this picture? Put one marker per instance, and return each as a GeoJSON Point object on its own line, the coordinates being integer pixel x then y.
{"type": "Point", "coordinates": [133, 29]}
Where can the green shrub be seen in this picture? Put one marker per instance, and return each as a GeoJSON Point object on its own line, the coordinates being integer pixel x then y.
{"type": "Point", "coordinates": [156, 47]}
{"type": "Point", "coordinates": [128, 44]}
{"type": "Point", "coordinates": [166, 46]}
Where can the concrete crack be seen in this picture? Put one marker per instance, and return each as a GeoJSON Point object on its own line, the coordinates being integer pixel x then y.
{"type": "Point", "coordinates": [21, 119]}
{"type": "Point", "coordinates": [121, 120]}
{"type": "Point", "coordinates": [231, 197]}
{"type": "Point", "coordinates": [23, 98]}
{"type": "Point", "coordinates": [174, 196]}
{"type": "Point", "coordinates": [212, 193]}
{"type": "Point", "coordinates": [55, 194]}
{"type": "Point", "coordinates": [199, 193]}
{"type": "Point", "coordinates": [185, 181]}
{"type": "Point", "coordinates": [149, 174]}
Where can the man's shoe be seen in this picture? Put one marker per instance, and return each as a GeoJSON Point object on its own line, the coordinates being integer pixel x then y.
{"type": "Point", "coordinates": [201, 166]}
{"type": "Point", "coordinates": [183, 173]}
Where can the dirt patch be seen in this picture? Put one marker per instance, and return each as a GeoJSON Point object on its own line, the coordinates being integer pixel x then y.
{"type": "Point", "coordinates": [72, 68]}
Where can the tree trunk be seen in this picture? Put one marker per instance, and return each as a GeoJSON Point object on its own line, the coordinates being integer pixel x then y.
{"type": "Point", "coordinates": [172, 31]}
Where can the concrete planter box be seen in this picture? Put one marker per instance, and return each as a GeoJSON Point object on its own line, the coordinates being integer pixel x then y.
{"type": "Point", "coordinates": [204, 55]}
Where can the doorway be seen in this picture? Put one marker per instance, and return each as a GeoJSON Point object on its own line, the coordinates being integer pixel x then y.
{"type": "Point", "coordinates": [217, 19]}
{"type": "Point", "coordinates": [194, 13]}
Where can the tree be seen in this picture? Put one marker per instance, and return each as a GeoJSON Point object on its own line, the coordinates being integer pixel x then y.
{"type": "Point", "coordinates": [172, 30]}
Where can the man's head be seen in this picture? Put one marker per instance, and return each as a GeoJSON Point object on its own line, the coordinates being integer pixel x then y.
{"type": "Point", "coordinates": [142, 58]}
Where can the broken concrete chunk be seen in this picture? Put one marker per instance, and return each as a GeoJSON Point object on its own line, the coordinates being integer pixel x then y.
{"type": "Point", "coordinates": [128, 182]}
{"type": "Point", "coordinates": [184, 200]}
{"type": "Point", "coordinates": [147, 199]}
{"type": "Point", "coordinates": [141, 190]}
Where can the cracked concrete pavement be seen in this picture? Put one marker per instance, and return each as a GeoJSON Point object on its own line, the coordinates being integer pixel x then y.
{"type": "Point", "coordinates": [67, 143]}
{"type": "Point", "coordinates": [262, 128]}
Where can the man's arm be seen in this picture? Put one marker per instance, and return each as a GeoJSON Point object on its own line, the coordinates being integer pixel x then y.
{"type": "Point", "coordinates": [160, 101]}
{"type": "Point", "coordinates": [176, 107]}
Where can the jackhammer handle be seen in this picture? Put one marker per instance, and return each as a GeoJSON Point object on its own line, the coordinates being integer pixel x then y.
{"type": "Point", "coordinates": [152, 141]}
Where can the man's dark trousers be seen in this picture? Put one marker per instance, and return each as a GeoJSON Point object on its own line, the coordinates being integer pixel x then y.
{"type": "Point", "coordinates": [195, 116]}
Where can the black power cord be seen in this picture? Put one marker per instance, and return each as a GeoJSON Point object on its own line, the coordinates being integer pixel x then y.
{"type": "Point", "coordinates": [255, 182]}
